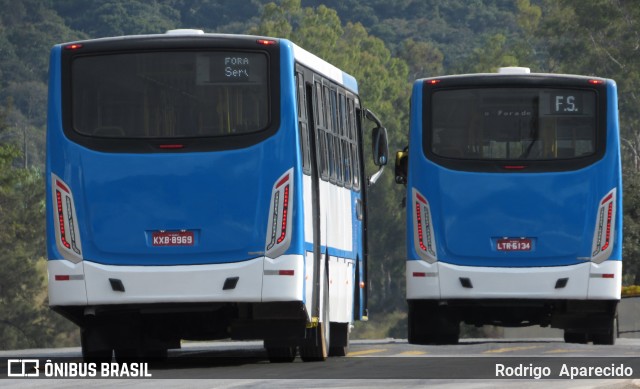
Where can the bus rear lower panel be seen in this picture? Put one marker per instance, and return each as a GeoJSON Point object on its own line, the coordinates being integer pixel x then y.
{"type": "Point", "coordinates": [572, 315]}
{"type": "Point", "coordinates": [164, 325]}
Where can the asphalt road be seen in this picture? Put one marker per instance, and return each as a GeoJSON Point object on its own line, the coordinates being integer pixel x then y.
{"type": "Point", "coordinates": [474, 363]}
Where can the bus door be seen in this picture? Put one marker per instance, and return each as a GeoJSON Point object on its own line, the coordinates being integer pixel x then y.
{"type": "Point", "coordinates": [308, 121]}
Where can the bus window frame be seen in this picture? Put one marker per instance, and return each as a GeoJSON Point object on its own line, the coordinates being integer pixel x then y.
{"type": "Point", "coordinates": [171, 44]}
{"type": "Point", "coordinates": [524, 165]}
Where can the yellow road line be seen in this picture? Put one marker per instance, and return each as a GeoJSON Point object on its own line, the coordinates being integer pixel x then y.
{"type": "Point", "coordinates": [366, 352]}
{"type": "Point", "coordinates": [559, 350]}
{"type": "Point", "coordinates": [509, 349]}
{"type": "Point", "coordinates": [412, 352]}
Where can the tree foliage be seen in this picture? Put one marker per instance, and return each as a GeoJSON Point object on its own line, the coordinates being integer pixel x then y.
{"type": "Point", "coordinates": [21, 235]}
{"type": "Point", "coordinates": [384, 44]}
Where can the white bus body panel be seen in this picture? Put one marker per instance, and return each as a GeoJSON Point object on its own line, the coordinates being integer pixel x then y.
{"type": "Point", "coordinates": [259, 281]}
{"type": "Point", "coordinates": [68, 292]}
{"type": "Point", "coordinates": [336, 231]}
{"type": "Point", "coordinates": [277, 287]}
{"type": "Point", "coordinates": [341, 289]}
{"type": "Point", "coordinates": [442, 281]}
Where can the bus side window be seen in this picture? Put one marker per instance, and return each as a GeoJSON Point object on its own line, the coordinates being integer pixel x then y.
{"type": "Point", "coordinates": [303, 124]}
{"type": "Point", "coordinates": [321, 139]}
{"type": "Point", "coordinates": [335, 135]}
{"type": "Point", "coordinates": [355, 126]}
{"type": "Point", "coordinates": [327, 133]}
{"type": "Point", "coordinates": [344, 140]}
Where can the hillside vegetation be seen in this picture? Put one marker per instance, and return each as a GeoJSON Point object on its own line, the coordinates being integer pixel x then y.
{"type": "Point", "coordinates": [384, 44]}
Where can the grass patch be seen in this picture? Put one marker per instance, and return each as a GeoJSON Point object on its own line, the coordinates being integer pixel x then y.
{"type": "Point", "coordinates": [381, 326]}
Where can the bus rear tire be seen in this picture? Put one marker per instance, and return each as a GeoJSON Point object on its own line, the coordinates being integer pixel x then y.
{"type": "Point", "coordinates": [130, 355]}
{"type": "Point", "coordinates": [431, 324]}
{"type": "Point", "coordinates": [284, 354]}
{"type": "Point", "coordinates": [575, 337]}
{"type": "Point", "coordinates": [609, 336]}
{"type": "Point", "coordinates": [95, 345]}
{"type": "Point", "coordinates": [416, 331]}
{"type": "Point", "coordinates": [315, 348]}
{"type": "Point", "coordinates": [339, 340]}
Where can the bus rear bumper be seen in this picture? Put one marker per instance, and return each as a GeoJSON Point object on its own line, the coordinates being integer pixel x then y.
{"type": "Point", "coordinates": [583, 281]}
{"type": "Point", "coordinates": [257, 280]}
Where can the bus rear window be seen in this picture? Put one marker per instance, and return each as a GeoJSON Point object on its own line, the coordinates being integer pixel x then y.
{"type": "Point", "coordinates": [173, 94]}
{"type": "Point", "coordinates": [513, 124]}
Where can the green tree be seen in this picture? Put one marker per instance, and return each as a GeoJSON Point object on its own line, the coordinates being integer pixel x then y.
{"type": "Point", "coordinates": [494, 54]}
{"type": "Point", "coordinates": [22, 229]}
{"type": "Point", "coordinates": [600, 38]}
{"type": "Point", "coordinates": [99, 19]}
{"type": "Point", "coordinates": [424, 59]}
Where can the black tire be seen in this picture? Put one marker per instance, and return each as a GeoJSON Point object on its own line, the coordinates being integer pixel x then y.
{"type": "Point", "coordinates": [281, 354]}
{"type": "Point", "coordinates": [315, 348]}
{"type": "Point", "coordinates": [416, 326]}
{"type": "Point", "coordinates": [609, 336]}
{"type": "Point", "coordinates": [575, 337]}
{"type": "Point", "coordinates": [339, 340]}
{"type": "Point", "coordinates": [95, 346]}
{"type": "Point", "coordinates": [129, 355]}
{"type": "Point", "coordinates": [431, 324]}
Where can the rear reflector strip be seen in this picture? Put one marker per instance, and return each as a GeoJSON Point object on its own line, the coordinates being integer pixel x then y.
{"type": "Point", "coordinates": [279, 272]}
{"type": "Point", "coordinates": [514, 167]}
{"type": "Point", "coordinates": [68, 277]}
{"type": "Point", "coordinates": [171, 147]}
{"type": "Point", "coordinates": [602, 275]}
{"type": "Point", "coordinates": [420, 274]}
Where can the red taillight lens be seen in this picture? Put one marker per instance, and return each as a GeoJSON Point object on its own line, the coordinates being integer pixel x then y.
{"type": "Point", "coordinates": [63, 234]}
{"type": "Point", "coordinates": [514, 167]}
{"type": "Point", "coordinates": [285, 212]}
{"type": "Point", "coordinates": [420, 232]}
{"type": "Point", "coordinates": [424, 240]}
{"type": "Point", "coordinates": [73, 46]}
{"type": "Point", "coordinates": [171, 146]}
{"type": "Point", "coordinates": [605, 228]}
{"type": "Point", "coordinates": [279, 226]}
{"type": "Point", "coordinates": [266, 42]}
{"type": "Point", "coordinates": [65, 221]}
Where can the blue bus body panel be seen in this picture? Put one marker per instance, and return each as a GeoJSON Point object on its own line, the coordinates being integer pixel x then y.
{"type": "Point", "coordinates": [222, 196]}
{"type": "Point", "coordinates": [556, 210]}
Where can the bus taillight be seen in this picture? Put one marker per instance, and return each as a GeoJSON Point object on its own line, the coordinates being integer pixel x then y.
{"type": "Point", "coordinates": [266, 42]}
{"type": "Point", "coordinates": [73, 46]}
{"type": "Point", "coordinates": [424, 240]}
{"type": "Point", "coordinates": [605, 227]}
{"type": "Point", "coordinates": [279, 226]}
{"type": "Point", "coordinates": [65, 220]}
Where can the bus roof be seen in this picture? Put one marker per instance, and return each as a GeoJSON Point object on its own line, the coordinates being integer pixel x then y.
{"type": "Point", "coordinates": [511, 73]}
{"type": "Point", "coordinates": [314, 62]}
{"type": "Point", "coordinates": [301, 55]}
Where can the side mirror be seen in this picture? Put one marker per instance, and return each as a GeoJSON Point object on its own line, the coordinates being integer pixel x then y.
{"type": "Point", "coordinates": [379, 144]}
{"type": "Point", "coordinates": [402, 164]}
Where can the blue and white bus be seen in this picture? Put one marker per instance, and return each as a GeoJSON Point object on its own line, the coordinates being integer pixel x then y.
{"type": "Point", "coordinates": [514, 200]}
{"type": "Point", "coordinates": [206, 186]}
